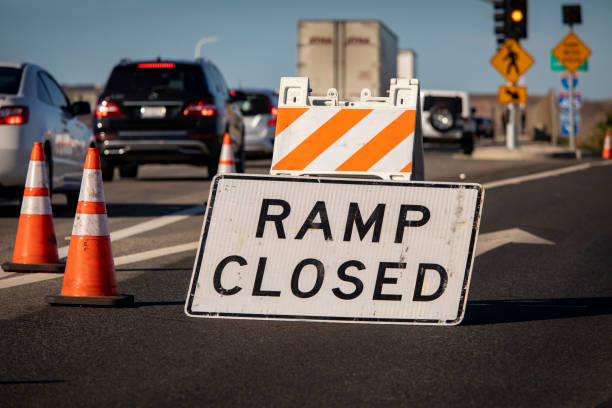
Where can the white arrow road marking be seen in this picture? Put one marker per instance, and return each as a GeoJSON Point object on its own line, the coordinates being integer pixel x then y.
{"type": "Point", "coordinates": [492, 240]}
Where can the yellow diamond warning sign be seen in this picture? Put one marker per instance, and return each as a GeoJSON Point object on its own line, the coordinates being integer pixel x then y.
{"type": "Point", "coordinates": [512, 94]}
{"type": "Point", "coordinates": [571, 52]}
{"type": "Point", "coordinates": [511, 60]}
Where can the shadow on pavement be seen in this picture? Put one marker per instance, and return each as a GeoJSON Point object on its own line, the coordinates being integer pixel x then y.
{"type": "Point", "coordinates": [144, 304]}
{"type": "Point", "coordinates": [150, 269]}
{"type": "Point", "coordinates": [10, 211]}
{"type": "Point", "coordinates": [31, 382]}
{"type": "Point", "coordinates": [509, 311]}
{"type": "Point", "coordinates": [177, 178]}
{"type": "Point", "coordinates": [128, 209]}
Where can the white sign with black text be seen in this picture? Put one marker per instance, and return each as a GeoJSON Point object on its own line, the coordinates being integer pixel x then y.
{"type": "Point", "coordinates": [324, 249]}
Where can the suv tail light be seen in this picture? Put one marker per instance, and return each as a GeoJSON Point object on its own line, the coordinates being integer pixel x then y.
{"type": "Point", "coordinates": [14, 115]}
{"type": "Point", "coordinates": [274, 113]}
{"type": "Point", "coordinates": [201, 108]}
{"type": "Point", "coordinates": [106, 109]}
{"type": "Point", "coordinates": [155, 65]}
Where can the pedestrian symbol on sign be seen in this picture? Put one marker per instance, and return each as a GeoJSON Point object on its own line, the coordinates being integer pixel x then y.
{"type": "Point", "coordinates": [511, 60]}
{"type": "Point", "coordinates": [512, 56]}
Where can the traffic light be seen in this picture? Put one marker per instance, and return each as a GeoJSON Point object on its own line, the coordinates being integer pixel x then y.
{"type": "Point", "coordinates": [517, 24]}
{"type": "Point", "coordinates": [513, 15]}
{"type": "Point", "coordinates": [499, 16]}
{"type": "Point", "coordinates": [571, 14]}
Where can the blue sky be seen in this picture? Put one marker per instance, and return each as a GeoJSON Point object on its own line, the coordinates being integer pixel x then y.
{"type": "Point", "coordinates": [79, 41]}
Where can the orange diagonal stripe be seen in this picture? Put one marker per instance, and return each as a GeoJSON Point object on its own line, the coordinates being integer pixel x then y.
{"type": "Point", "coordinates": [381, 144]}
{"type": "Point", "coordinates": [407, 169]}
{"type": "Point", "coordinates": [321, 139]}
{"type": "Point", "coordinates": [286, 116]}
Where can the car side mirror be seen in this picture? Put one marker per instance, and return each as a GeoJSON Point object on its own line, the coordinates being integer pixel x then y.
{"type": "Point", "coordinates": [81, 108]}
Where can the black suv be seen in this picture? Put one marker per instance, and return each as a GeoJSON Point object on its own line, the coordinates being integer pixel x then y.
{"type": "Point", "coordinates": [165, 112]}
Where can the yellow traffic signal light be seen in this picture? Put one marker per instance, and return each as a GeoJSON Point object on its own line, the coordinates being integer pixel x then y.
{"type": "Point", "coordinates": [516, 15]}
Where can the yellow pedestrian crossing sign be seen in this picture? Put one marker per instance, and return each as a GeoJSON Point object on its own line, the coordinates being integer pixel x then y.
{"type": "Point", "coordinates": [511, 60]}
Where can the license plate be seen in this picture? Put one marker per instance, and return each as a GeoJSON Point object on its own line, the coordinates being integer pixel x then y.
{"type": "Point", "coordinates": [149, 112]}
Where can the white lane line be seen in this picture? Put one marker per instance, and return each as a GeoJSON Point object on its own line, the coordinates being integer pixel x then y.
{"type": "Point", "coordinates": [180, 215]}
{"type": "Point", "coordinates": [155, 253]}
{"type": "Point", "coordinates": [146, 226]}
{"type": "Point", "coordinates": [544, 174]}
{"type": "Point", "coordinates": [8, 279]}
{"type": "Point", "coordinates": [21, 279]}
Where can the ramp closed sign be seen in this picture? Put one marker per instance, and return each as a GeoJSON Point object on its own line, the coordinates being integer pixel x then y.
{"type": "Point", "coordinates": [305, 248]}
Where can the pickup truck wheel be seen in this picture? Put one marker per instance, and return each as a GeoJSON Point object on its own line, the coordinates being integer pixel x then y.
{"type": "Point", "coordinates": [108, 169]}
{"type": "Point", "coordinates": [128, 170]}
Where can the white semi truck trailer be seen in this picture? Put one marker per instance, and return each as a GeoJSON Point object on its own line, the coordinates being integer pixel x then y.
{"type": "Point", "coordinates": [348, 55]}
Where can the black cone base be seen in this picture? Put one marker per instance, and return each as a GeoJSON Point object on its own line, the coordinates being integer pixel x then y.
{"type": "Point", "coordinates": [102, 301]}
{"type": "Point", "coordinates": [33, 268]}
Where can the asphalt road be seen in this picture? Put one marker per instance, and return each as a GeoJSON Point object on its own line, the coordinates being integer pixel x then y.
{"type": "Point", "coordinates": [536, 332]}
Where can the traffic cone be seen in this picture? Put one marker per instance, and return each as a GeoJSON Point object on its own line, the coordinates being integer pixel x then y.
{"type": "Point", "coordinates": [35, 245]}
{"type": "Point", "coordinates": [226, 160]}
{"type": "Point", "coordinates": [89, 279]}
{"type": "Point", "coordinates": [606, 152]}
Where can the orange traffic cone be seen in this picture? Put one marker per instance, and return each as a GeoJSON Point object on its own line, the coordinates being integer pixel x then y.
{"type": "Point", "coordinates": [226, 160]}
{"type": "Point", "coordinates": [35, 245]}
{"type": "Point", "coordinates": [606, 152]}
{"type": "Point", "coordinates": [89, 279]}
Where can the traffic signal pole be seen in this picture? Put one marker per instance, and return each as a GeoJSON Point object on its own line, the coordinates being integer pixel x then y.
{"type": "Point", "coordinates": [572, 136]}
{"type": "Point", "coordinates": [511, 136]}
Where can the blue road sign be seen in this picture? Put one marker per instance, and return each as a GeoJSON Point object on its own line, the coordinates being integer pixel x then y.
{"type": "Point", "coordinates": [565, 81]}
{"type": "Point", "coordinates": [563, 100]}
{"type": "Point", "coordinates": [564, 119]}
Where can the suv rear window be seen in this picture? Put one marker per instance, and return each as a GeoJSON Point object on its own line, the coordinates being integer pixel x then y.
{"type": "Point", "coordinates": [254, 104]}
{"type": "Point", "coordinates": [453, 103]}
{"type": "Point", "coordinates": [181, 82]}
{"type": "Point", "coordinates": [10, 78]}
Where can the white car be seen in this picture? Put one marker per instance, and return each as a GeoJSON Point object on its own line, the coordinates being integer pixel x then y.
{"type": "Point", "coordinates": [259, 109]}
{"type": "Point", "coordinates": [446, 117]}
{"type": "Point", "coordinates": [33, 108]}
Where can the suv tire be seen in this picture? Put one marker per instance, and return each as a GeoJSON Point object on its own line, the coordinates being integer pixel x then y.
{"type": "Point", "coordinates": [108, 169]}
{"type": "Point", "coordinates": [241, 159]}
{"type": "Point", "coordinates": [467, 143]}
{"type": "Point", "coordinates": [128, 170]}
{"type": "Point", "coordinates": [72, 200]}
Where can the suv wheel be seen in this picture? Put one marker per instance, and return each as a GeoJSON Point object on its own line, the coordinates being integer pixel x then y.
{"type": "Point", "coordinates": [241, 159]}
{"type": "Point", "coordinates": [128, 170]}
{"type": "Point", "coordinates": [108, 169]}
{"type": "Point", "coordinates": [72, 200]}
{"type": "Point", "coordinates": [49, 169]}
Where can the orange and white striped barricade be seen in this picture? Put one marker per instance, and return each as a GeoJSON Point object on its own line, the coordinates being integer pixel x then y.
{"type": "Point", "coordinates": [343, 213]}
{"type": "Point", "coordinates": [375, 137]}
